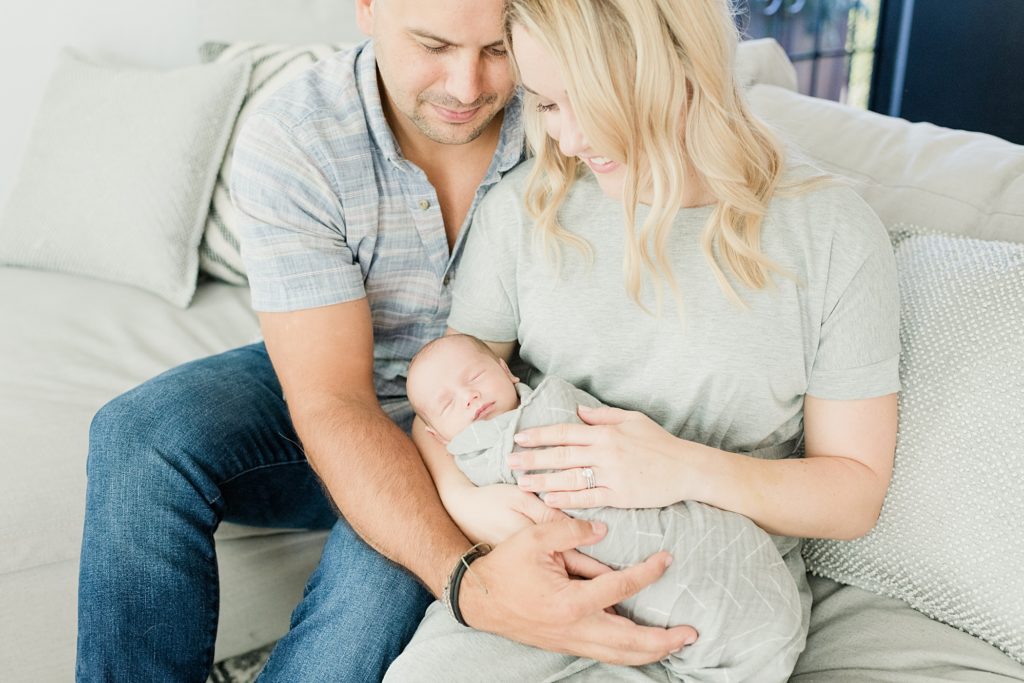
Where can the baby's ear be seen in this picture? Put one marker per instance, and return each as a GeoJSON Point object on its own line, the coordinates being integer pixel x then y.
{"type": "Point", "coordinates": [508, 373]}
{"type": "Point", "coordinates": [433, 433]}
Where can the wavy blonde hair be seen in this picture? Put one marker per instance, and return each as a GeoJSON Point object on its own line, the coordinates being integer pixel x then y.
{"type": "Point", "coordinates": [631, 69]}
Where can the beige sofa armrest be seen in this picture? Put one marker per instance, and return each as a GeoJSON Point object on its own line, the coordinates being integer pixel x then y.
{"type": "Point", "coordinates": [763, 61]}
{"type": "Point", "coordinates": [941, 179]}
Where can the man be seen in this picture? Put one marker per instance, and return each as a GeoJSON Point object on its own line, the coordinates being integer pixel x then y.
{"type": "Point", "coordinates": [356, 183]}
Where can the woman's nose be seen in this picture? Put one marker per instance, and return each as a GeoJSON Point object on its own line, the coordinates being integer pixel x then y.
{"type": "Point", "coordinates": [570, 138]}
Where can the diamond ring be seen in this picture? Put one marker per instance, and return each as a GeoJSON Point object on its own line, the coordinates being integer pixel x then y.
{"type": "Point", "coordinates": [588, 474]}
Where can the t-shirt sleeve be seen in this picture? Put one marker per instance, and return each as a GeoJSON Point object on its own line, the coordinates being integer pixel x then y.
{"type": "Point", "coordinates": [291, 225]}
{"type": "Point", "coordinates": [484, 298]}
{"type": "Point", "coordinates": [859, 346]}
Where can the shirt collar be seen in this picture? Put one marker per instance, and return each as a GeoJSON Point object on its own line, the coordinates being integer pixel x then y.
{"type": "Point", "coordinates": [369, 93]}
{"type": "Point", "coordinates": [511, 141]}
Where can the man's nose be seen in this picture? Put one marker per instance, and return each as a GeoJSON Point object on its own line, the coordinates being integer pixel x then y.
{"type": "Point", "coordinates": [465, 78]}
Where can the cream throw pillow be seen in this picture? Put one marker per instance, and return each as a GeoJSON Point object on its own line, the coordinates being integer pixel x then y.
{"type": "Point", "coordinates": [273, 65]}
{"type": "Point", "coordinates": [950, 540]}
{"type": "Point", "coordinates": [118, 173]}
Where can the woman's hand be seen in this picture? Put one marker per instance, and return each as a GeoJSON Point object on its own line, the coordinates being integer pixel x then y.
{"type": "Point", "coordinates": [490, 514]}
{"type": "Point", "coordinates": [634, 462]}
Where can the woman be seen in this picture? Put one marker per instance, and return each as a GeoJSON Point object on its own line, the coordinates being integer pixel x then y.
{"type": "Point", "coordinates": [659, 253]}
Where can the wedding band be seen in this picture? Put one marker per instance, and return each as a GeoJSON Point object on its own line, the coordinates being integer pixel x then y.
{"type": "Point", "coordinates": [588, 474]}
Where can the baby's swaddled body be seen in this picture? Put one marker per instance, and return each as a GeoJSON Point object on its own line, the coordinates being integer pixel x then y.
{"type": "Point", "coordinates": [728, 579]}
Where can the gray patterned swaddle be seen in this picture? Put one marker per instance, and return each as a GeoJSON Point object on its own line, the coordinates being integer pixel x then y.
{"type": "Point", "coordinates": [728, 579]}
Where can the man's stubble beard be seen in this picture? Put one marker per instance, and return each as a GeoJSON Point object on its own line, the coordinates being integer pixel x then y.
{"type": "Point", "coordinates": [455, 134]}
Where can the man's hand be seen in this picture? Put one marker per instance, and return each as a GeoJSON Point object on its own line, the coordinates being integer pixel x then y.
{"type": "Point", "coordinates": [523, 591]}
{"type": "Point", "coordinates": [491, 514]}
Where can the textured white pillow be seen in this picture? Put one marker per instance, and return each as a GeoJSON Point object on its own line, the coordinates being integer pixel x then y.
{"type": "Point", "coordinates": [118, 174]}
{"type": "Point", "coordinates": [950, 538]}
{"type": "Point", "coordinates": [272, 66]}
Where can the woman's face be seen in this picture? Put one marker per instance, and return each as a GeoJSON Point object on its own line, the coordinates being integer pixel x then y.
{"type": "Point", "coordinates": [541, 76]}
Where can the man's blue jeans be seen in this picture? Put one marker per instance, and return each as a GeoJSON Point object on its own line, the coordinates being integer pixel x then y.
{"type": "Point", "coordinates": [209, 441]}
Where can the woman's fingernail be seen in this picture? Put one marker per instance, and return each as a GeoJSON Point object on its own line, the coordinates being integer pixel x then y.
{"type": "Point", "coordinates": [514, 461]}
{"type": "Point", "coordinates": [521, 439]}
{"type": "Point", "coordinates": [690, 640]}
{"type": "Point", "coordinates": [668, 562]}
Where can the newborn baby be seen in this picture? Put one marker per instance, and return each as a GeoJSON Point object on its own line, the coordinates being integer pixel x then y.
{"type": "Point", "coordinates": [728, 579]}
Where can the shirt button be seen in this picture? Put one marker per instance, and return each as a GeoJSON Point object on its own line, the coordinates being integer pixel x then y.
{"type": "Point", "coordinates": [447, 279]}
{"type": "Point", "coordinates": [424, 204]}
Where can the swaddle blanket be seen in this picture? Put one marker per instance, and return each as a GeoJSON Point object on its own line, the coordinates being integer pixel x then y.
{"type": "Point", "coordinates": [727, 580]}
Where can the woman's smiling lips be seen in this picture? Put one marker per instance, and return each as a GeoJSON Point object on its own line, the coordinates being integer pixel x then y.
{"type": "Point", "coordinates": [600, 164]}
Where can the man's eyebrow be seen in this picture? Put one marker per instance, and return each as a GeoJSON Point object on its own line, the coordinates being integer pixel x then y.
{"type": "Point", "coordinates": [430, 36]}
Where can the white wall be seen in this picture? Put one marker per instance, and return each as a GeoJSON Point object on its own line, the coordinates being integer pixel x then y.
{"type": "Point", "coordinates": [157, 33]}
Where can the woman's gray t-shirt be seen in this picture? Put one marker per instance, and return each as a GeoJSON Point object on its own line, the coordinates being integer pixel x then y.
{"type": "Point", "coordinates": [718, 374]}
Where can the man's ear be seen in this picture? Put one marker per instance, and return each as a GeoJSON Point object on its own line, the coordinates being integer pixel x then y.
{"type": "Point", "coordinates": [364, 16]}
{"type": "Point", "coordinates": [508, 373]}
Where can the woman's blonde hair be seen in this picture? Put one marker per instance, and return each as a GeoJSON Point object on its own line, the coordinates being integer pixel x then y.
{"type": "Point", "coordinates": [631, 69]}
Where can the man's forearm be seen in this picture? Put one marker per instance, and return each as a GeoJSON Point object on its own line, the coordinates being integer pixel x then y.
{"type": "Point", "coordinates": [377, 479]}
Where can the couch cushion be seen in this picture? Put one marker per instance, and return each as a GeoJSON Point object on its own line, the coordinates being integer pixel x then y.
{"type": "Point", "coordinates": [69, 345]}
{"type": "Point", "coordinates": [949, 539]}
{"type": "Point", "coordinates": [917, 173]}
{"type": "Point", "coordinates": [860, 637]}
{"type": "Point", "coordinates": [117, 180]}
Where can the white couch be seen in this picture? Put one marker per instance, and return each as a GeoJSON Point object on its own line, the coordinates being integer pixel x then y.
{"type": "Point", "coordinates": [70, 343]}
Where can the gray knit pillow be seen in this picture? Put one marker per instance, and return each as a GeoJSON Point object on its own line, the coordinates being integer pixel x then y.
{"type": "Point", "coordinates": [950, 539]}
{"type": "Point", "coordinates": [119, 170]}
{"type": "Point", "coordinates": [272, 66]}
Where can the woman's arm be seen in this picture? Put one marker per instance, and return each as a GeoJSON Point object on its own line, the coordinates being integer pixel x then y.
{"type": "Point", "coordinates": [835, 491]}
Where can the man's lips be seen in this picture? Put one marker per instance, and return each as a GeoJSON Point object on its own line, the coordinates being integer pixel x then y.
{"type": "Point", "coordinates": [483, 409]}
{"type": "Point", "coordinates": [454, 115]}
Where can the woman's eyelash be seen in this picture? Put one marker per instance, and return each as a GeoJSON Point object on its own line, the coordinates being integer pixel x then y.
{"type": "Point", "coordinates": [434, 50]}
{"type": "Point", "coordinates": [542, 108]}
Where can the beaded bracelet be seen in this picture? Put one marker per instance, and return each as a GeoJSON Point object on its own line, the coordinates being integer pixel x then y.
{"type": "Point", "coordinates": [450, 596]}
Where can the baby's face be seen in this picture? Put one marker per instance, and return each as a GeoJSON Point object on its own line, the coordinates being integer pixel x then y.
{"type": "Point", "coordinates": [455, 384]}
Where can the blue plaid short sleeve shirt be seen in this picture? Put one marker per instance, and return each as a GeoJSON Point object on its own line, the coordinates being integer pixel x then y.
{"type": "Point", "coordinates": [332, 212]}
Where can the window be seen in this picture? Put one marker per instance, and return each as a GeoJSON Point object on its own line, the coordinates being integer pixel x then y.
{"type": "Point", "coordinates": [831, 42]}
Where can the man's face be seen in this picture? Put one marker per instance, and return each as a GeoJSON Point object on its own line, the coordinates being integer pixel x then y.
{"type": "Point", "coordinates": [455, 384]}
{"type": "Point", "coordinates": [442, 64]}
